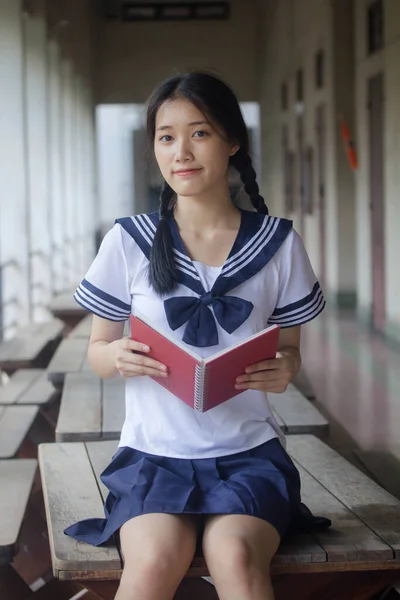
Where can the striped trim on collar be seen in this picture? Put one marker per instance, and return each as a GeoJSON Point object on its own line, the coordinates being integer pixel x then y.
{"type": "Point", "coordinates": [258, 239]}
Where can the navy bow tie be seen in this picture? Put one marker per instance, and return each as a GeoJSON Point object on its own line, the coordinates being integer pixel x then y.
{"type": "Point", "coordinates": [201, 329]}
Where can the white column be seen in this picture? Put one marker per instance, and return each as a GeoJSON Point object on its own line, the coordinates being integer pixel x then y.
{"type": "Point", "coordinates": [91, 180]}
{"type": "Point", "coordinates": [37, 164]}
{"type": "Point", "coordinates": [68, 113]}
{"type": "Point", "coordinates": [13, 205]}
{"type": "Point", "coordinates": [56, 169]}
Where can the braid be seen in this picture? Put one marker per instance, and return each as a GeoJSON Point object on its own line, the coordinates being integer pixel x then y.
{"type": "Point", "coordinates": [166, 206]}
{"type": "Point", "coordinates": [162, 269]}
{"type": "Point", "coordinates": [242, 163]}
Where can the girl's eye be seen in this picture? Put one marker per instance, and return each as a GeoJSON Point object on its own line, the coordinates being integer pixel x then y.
{"type": "Point", "coordinates": [165, 138]}
{"type": "Point", "coordinates": [200, 133]}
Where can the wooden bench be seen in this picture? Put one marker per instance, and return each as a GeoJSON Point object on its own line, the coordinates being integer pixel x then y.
{"type": "Point", "coordinates": [64, 307]}
{"type": "Point", "coordinates": [303, 384]}
{"type": "Point", "coordinates": [295, 413]}
{"type": "Point", "coordinates": [15, 424]}
{"type": "Point", "coordinates": [362, 546]}
{"type": "Point", "coordinates": [94, 409]}
{"type": "Point", "coordinates": [70, 357]}
{"type": "Point", "coordinates": [16, 480]}
{"type": "Point", "coordinates": [31, 347]}
{"type": "Point", "coordinates": [27, 386]}
{"type": "Point", "coordinates": [91, 408]}
{"type": "Point", "coordinates": [83, 329]}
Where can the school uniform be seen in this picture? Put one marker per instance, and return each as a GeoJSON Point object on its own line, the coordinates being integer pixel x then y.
{"type": "Point", "coordinates": [171, 458]}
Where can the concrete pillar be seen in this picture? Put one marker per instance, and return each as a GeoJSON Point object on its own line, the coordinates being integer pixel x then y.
{"type": "Point", "coordinates": [37, 156]}
{"type": "Point", "coordinates": [56, 168]}
{"type": "Point", "coordinates": [13, 172]}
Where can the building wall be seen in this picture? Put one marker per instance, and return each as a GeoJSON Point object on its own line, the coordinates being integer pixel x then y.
{"type": "Point", "coordinates": [387, 62]}
{"type": "Point", "coordinates": [291, 44]}
{"type": "Point", "coordinates": [47, 217]}
{"type": "Point", "coordinates": [134, 57]}
{"type": "Point", "coordinates": [340, 29]}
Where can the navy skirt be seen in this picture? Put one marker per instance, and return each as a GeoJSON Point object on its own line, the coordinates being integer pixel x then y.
{"type": "Point", "coordinates": [262, 482]}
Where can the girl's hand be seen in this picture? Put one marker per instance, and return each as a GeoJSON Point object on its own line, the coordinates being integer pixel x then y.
{"type": "Point", "coordinates": [271, 375]}
{"type": "Point", "coordinates": [130, 362]}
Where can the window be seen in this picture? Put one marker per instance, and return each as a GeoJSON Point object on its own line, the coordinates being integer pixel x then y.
{"type": "Point", "coordinates": [174, 11]}
{"type": "Point", "coordinates": [284, 97]}
{"type": "Point", "coordinates": [299, 85]}
{"type": "Point", "coordinates": [319, 69]}
{"type": "Point", "coordinates": [375, 26]}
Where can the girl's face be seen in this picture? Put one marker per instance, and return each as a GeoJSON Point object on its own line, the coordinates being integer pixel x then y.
{"type": "Point", "coordinates": [192, 155]}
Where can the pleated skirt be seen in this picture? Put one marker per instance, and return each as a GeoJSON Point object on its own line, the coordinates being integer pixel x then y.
{"type": "Point", "coordinates": [262, 482]}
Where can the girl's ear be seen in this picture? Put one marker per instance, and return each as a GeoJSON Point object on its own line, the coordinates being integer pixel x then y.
{"type": "Point", "coordinates": [234, 149]}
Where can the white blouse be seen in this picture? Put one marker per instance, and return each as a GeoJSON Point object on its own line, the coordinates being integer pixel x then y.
{"type": "Point", "coordinates": [267, 271]}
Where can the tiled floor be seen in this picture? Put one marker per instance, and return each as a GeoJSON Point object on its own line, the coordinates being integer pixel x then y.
{"type": "Point", "coordinates": [356, 377]}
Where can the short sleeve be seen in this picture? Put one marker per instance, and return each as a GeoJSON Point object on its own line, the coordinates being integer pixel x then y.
{"type": "Point", "coordinates": [105, 289]}
{"type": "Point", "coordinates": [300, 297]}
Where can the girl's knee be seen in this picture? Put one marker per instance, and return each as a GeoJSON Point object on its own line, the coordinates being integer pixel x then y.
{"type": "Point", "coordinates": [238, 559]}
{"type": "Point", "coordinates": [155, 564]}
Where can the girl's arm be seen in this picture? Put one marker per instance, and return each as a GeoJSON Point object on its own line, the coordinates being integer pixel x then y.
{"type": "Point", "coordinates": [289, 347]}
{"type": "Point", "coordinates": [111, 355]}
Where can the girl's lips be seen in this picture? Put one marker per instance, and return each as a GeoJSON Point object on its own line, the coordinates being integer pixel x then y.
{"type": "Point", "coordinates": [187, 173]}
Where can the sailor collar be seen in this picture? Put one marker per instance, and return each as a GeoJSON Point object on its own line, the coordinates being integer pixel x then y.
{"type": "Point", "coordinates": [258, 239]}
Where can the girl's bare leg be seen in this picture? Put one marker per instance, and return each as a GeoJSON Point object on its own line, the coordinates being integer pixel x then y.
{"type": "Point", "coordinates": [238, 550]}
{"type": "Point", "coordinates": [157, 550]}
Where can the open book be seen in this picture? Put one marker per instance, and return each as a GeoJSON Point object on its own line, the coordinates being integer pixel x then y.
{"type": "Point", "coordinates": [203, 383]}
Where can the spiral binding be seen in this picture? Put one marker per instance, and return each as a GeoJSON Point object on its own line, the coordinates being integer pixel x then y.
{"type": "Point", "coordinates": [200, 388]}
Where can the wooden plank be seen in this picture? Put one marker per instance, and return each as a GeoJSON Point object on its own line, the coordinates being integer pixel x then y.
{"type": "Point", "coordinates": [298, 414]}
{"type": "Point", "coordinates": [279, 419]}
{"type": "Point", "coordinates": [303, 383]}
{"type": "Point", "coordinates": [100, 455]}
{"type": "Point", "coordinates": [83, 329]}
{"type": "Point", "coordinates": [16, 479]}
{"type": "Point", "coordinates": [29, 342]}
{"type": "Point", "coordinates": [27, 386]}
{"type": "Point", "coordinates": [80, 409]}
{"type": "Point", "coordinates": [113, 407]}
{"type": "Point", "coordinates": [86, 368]}
{"type": "Point", "coordinates": [15, 423]}
{"type": "Point", "coordinates": [68, 358]}
{"type": "Point", "coordinates": [299, 549]}
{"type": "Point", "coordinates": [349, 539]}
{"type": "Point", "coordinates": [65, 302]}
{"type": "Point", "coordinates": [17, 385]}
{"type": "Point", "coordinates": [71, 494]}
{"type": "Point", "coordinates": [378, 509]}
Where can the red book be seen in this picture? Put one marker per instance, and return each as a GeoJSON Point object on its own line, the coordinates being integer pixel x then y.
{"type": "Point", "coordinates": [203, 383]}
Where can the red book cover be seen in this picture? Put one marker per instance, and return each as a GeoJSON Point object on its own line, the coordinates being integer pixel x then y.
{"type": "Point", "coordinates": [203, 383]}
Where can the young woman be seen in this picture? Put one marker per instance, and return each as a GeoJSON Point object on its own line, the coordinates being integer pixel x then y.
{"type": "Point", "coordinates": [211, 274]}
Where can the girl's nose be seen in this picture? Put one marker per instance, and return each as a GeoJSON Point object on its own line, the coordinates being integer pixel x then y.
{"type": "Point", "coordinates": [183, 151]}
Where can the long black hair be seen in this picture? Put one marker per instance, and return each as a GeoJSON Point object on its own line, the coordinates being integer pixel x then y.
{"type": "Point", "coordinates": [215, 99]}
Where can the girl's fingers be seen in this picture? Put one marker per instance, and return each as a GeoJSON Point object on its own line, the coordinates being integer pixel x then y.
{"type": "Point", "coordinates": [135, 346]}
{"type": "Point", "coordinates": [264, 376]}
{"type": "Point", "coordinates": [262, 387]}
{"type": "Point", "coordinates": [132, 370]}
{"type": "Point", "coordinates": [132, 358]}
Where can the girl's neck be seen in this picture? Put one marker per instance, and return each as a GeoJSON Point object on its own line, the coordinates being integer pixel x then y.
{"type": "Point", "coordinates": [199, 213]}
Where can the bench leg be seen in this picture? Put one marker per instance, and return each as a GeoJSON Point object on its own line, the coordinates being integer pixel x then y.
{"type": "Point", "coordinates": [12, 586]}
{"type": "Point", "coordinates": [354, 585]}
{"type": "Point", "coordinates": [190, 589]}
{"type": "Point", "coordinates": [104, 590]}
